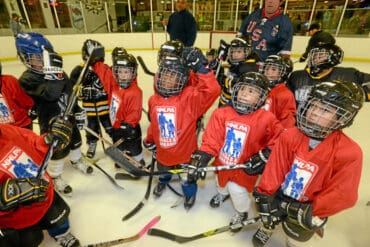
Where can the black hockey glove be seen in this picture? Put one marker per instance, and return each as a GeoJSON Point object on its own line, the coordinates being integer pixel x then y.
{"type": "Point", "coordinates": [267, 208]}
{"type": "Point", "coordinates": [256, 163]}
{"type": "Point", "coordinates": [198, 159]}
{"type": "Point", "coordinates": [61, 130]}
{"type": "Point", "coordinates": [223, 50]}
{"type": "Point", "coordinates": [95, 50]}
{"type": "Point", "coordinates": [81, 119]}
{"type": "Point", "coordinates": [53, 65]}
{"type": "Point", "coordinates": [301, 214]}
{"type": "Point", "coordinates": [195, 60]}
{"type": "Point", "coordinates": [129, 132]}
{"type": "Point", "coordinates": [23, 191]}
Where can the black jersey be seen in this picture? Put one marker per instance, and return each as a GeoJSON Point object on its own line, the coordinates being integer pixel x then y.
{"type": "Point", "coordinates": [300, 82]}
{"type": "Point", "coordinates": [50, 96]}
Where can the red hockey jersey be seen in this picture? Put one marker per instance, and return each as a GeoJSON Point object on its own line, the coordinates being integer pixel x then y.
{"type": "Point", "coordinates": [327, 176]}
{"type": "Point", "coordinates": [14, 102]}
{"type": "Point", "coordinates": [21, 153]}
{"type": "Point", "coordinates": [281, 102]}
{"type": "Point", "coordinates": [125, 104]}
{"type": "Point", "coordinates": [173, 119]}
{"type": "Point", "coordinates": [232, 138]}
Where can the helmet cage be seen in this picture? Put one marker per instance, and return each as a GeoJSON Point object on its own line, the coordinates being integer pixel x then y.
{"type": "Point", "coordinates": [322, 58]}
{"type": "Point", "coordinates": [244, 107]}
{"type": "Point", "coordinates": [313, 129]}
{"type": "Point", "coordinates": [119, 70]}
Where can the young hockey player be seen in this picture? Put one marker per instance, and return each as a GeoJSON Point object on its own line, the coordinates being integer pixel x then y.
{"type": "Point", "coordinates": [49, 86]}
{"type": "Point", "coordinates": [15, 104]}
{"type": "Point", "coordinates": [241, 59]}
{"type": "Point", "coordinates": [280, 100]}
{"type": "Point", "coordinates": [29, 205]}
{"type": "Point", "coordinates": [239, 133]}
{"type": "Point", "coordinates": [94, 102]}
{"type": "Point", "coordinates": [314, 169]}
{"type": "Point", "coordinates": [174, 110]}
{"type": "Point", "coordinates": [125, 100]}
{"type": "Point", "coordinates": [321, 66]}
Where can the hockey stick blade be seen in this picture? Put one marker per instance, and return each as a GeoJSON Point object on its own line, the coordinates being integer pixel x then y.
{"type": "Point", "coordinates": [125, 176]}
{"type": "Point", "coordinates": [104, 172]}
{"type": "Point", "coordinates": [129, 239]}
{"type": "Point", "coordinates": [184, 239]}
{"type": "Point", "coordinates": [146, 196]}
{"type": "Point", "coordinates": [116, 155]}
{"type": "Point", "coordinates": [143, 65]}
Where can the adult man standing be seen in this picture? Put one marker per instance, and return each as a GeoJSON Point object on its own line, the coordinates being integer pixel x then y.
{"type": "Point", "coordinates": [181, 25]}
{"type": "Point", "coordinates": [318, 37]}
{"type": "Point", "coordinates": [271, 31]}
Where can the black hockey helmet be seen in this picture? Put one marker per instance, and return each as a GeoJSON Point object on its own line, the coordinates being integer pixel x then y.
{"type": "Point", "coordinates": [258, 82]}
{"type": "Point", "coordinates": [342, 97]}
{"type": "Point", "coordinates": [283, 64]}
{"type": "Point", "coordinates": [118, 51]}
{"type": "Point", "coordinates": [84, 50]}
{"type": "Point", "coordinates": [124, 69]}
{"type": "Point", "coordinates": [324, 56]}
{"type": "Point", "coordinates": [170, 48]}
{"type": "Point", "coordinates": [173, 76]}
{"type": "Point", "coordinates": [243, 42]}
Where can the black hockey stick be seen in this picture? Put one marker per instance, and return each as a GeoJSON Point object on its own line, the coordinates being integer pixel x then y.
{"type": "Point", "coordinates": [104, 172]}
{"type": "Point", "coordinates": [70, 105]}
{"type": "Point", "coordinates": [184, 239]}
{"type": "Point", "coordinates": [143, 65]}
{"type": "Point", "coordinates": [128, 239]}
{"type": "Point", "coordinates": [128, 165]}
{"type": "Point", "coordinates": [147, 193]}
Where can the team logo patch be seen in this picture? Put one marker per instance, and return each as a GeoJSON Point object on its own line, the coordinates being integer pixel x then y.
{"type": "Point", "coordinates": [299, 178]}
{"type": "Point", "coordinates": [166, 117]}
{"type": "Point", "coordinates": [114, 105]}
{"type": "Point", "coordinates": [18, 164]}
{"type": "Point", "coordinates": [235, 137]}
{"type": "Point", "coordinates": [6, 116]}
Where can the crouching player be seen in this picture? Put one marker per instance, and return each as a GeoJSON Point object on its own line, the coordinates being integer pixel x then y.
{"type": "Point", "coordinates": [306, 179]}
{"type": "Point", "coordinates": [29, 204]}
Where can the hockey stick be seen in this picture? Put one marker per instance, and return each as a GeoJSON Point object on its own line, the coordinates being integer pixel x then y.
{"type": "Point", "coordinates": [118, 153]}
{"type": "Point", "coordinates": [104, 172]}
{"type": "Point", "coordinates": [128, 239]}
{"type": "Point", "coordinates": [143, 65]}
{"type": "Point", "coordinates": [128, 165]}
{"type": "Point", "coordinates": [184, 239]}
{"type": "Point", "coordinates": [70, 104]}
{"type": "Point", "coordinates": [146, 196]}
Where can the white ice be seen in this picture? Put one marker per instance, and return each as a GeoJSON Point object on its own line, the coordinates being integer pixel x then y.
{"type": "Point", "coordinates": [97, 207]}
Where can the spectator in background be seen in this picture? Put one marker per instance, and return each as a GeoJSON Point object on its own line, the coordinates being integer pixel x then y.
{"type": "Point", "coordinates": [181, 25]}
{"type": "Point", "coordinates": [15, 24]}
{"type": "Point", "coordinates": [318, 37]}
{"type": "Point", "coordinates": [271, 31]}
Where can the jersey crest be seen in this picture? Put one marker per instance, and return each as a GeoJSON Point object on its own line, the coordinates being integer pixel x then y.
{"type": "Point", "coordinates": [299, 178]}
{"type": "Point", "coordinates": [235, 137]}
{"type": "Point", "coordinates": [166, 116]}
{"type": "Point", "coordinates": [6, 116]}
{"type": "Point", "coordinates": [18, 164]}
{"type": "Point", "coordinates": [113, 109]}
